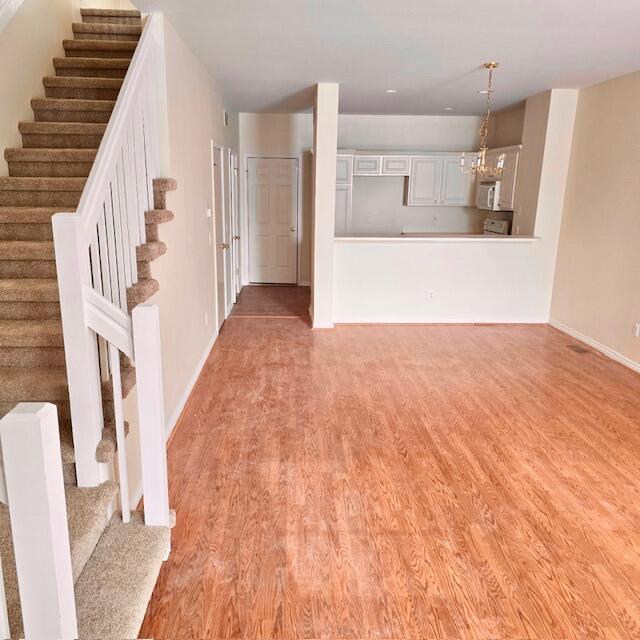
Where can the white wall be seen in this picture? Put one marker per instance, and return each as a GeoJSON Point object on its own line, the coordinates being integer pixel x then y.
{"type": "Point", "coordinates": [597, 287]}
{"type": "Point", "coordinates": [28, 43]}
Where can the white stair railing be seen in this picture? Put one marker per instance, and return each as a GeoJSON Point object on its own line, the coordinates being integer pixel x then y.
{"type": "Point", "coordinates": [96, 258]}
{"type": "Point", "coordinates": [33, 489]}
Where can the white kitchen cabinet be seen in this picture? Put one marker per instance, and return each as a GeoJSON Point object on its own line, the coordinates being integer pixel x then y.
{"type": "Point", "coordinates": [458, 187]}
{"type": "Point", "coordinates": [344, 169]}
{"type": "Point", "coordinates": [343, 210]}
{"type": "Point", "coordinates": [396, 165]}
{"type": "Point", "coordinates": [508, 181]}
{"type": "Point", "coordinates": [367, 165]}
{"type": "Point", "coordinates": [425, 181]}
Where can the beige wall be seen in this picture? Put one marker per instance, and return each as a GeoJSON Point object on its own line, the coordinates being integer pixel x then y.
{"type": "Point", "coordinates": [28, 44]}
{"type": "Point", "coordinates": [505, 127]}
{"type": "Point", "coordinates": [597, 284]}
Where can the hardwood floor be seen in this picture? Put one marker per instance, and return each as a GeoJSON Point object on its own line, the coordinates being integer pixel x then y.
{"type": "Point", "coordinates": [281, 301]}
{"type": "Point", "coordinates": [404, 482]}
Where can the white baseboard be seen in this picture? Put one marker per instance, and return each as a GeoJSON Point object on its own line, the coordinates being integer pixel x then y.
{"type": "Point", "coordinates": [173, 420]}
{"type": "Point", "coordinates": [598, 346]}
{"type": "Point", "coordinates": [304, 283]}
{"type": "Point", "coordinates": [431, 320]}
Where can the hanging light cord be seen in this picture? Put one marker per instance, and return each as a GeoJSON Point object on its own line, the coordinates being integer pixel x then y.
{"type": "Point", "coordinates": [484, 128]}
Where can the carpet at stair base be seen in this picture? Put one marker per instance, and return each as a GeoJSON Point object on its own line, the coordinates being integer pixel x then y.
{"type": "Point", "coordinates": [116, 584]}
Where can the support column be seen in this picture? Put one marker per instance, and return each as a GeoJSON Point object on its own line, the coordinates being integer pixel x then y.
{"type": "Point", "coordinates": [325, 147]}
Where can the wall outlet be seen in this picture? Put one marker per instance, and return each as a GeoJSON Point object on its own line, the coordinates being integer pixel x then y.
{"type": "Point", "coordinates": [207, 213]}
{"type": "Point", "coordinates": [636, 329]}
{"type": "Point", "coordinates": [517, 233]}
{"type": "Point", "coordinates": [431, 295]}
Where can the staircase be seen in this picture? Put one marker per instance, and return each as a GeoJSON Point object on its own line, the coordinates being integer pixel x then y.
{"type": "Point", "coordinates": [115, 565]}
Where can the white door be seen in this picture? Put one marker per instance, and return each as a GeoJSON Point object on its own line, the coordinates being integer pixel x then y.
{"type": "Point", "coordinates": [235, 223]}
{"type": "Point", "coordinates": [273, 213]}
{"type": "Point", "coordinates": [508, 181]}
{"type": "Point", "coordinates": [222, 243]}
{"type": "Point", "coordinates": [457, 186]}
{"type": "Point", "coordinates": [425, 181]}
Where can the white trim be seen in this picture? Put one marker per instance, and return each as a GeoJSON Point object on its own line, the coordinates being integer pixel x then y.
{"type": "Point", "coordinates": [216, 241]}
{"type": "Point", "coordinates": [450, 239]}
{"type": "Point", "coordinates": [304, 283]}
{"type": "Point", "coordinates": [436, 321]}
{"type": "Point", "coordinates": [598, 346]}
{"type": "Point", "coordinates": [8, 9]}
{"type": "Point", "coordinates": [244, 212]}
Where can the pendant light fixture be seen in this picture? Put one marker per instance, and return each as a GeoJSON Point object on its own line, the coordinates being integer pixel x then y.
{"type": "Point", "coordinates": [479, 167]}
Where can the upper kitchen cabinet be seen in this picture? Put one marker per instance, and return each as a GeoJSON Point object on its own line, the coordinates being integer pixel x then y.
{"type": "Point", "coordinates": [437, 180]}
{"type": "Point", "coordinates": [458, 186]}
{"type": "Point", "coordinates": [344, 169]}
{"type": "Point", "coordinates": [396, 165]}
{"type": "Point", "coordinates": [367, 165]}
{"type": "Point", "coordinates": [508, 157]}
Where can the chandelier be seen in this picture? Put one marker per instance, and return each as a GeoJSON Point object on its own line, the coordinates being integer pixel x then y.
{"type": "Point", "coordinates": [479, 166]}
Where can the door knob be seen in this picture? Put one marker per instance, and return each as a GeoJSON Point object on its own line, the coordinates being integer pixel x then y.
{"type": "Point", "coordinates": [224, 245]}
{"type": "Point", "coordinates": [236, 237]}
{"type": "Point", "coordinates": [292, 228]}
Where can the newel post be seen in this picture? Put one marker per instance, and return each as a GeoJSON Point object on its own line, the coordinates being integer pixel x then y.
{"type": "Point", "coordinates": [80, 348]}
{"type": "Point", "coordinates": [150, 393]}
{"type": "Point", "coordinates": [35, 494]}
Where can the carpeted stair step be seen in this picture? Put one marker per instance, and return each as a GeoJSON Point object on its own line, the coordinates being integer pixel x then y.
{"type": "Point", "coordinates": [111, 16]}
{"type": "Point", "coordinates": [91, 67]}
{"type": "Point", "coordinates": [61, 135]}
{"type": "Point", "coordinates": [33, 384]}
{"type": "Point", "coordinates": [27, 259]}
{"type": "Point", "coordinates": [160, 188]}
{"type": "Point", "coordinates": [31, 356]}
{"type": "Point", "coordinates": [53, 163]}
{"type": "Point", "coordinates": [28, 290]}
{"type": "Point", "coordinates": [153, 219]}
{"type": "Point", "coordinates": [70, 110]}
{"type": "Point", "coordinates": [107, 31]}
{"type": "Point", "coordinates": [31, 333]}
{"type": "Point", "coordinates": [115, 587]}
{"type": "Point", "coordinates": [41, 192]}
{"type": "Point", "coordinates": [147, 252]}
{"type": "Point", "coordinates": [27, 223]}
{"type": "Point", "coordinates": [99, 48]}
{"type": "Point", "coordinates": [141, 292]}
{"type": "Point", "coordinates": [82, 88]}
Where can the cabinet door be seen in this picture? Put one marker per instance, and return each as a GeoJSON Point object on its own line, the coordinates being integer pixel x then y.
{"type": "Point", "coordinates": [425, 181]}
{"type": "Point", "coordinates": [343, 210]}
{"type": "Point", "coordinates": [508, 182]}
{"type": "Point", "coordinates": [367, 165]}
{"type": "Point", "coordinates": [344, 169]}
{"type": "Point", "coordinates": [458, 187]}
{"type": "Point", "coordinates": [396, 165]}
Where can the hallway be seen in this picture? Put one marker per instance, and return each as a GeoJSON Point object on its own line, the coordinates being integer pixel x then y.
{"type": "Point", "coordinates": [403, 482]}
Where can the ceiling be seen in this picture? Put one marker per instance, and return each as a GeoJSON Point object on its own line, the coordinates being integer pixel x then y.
{"type": "Point", "coordinates": [267, 54]}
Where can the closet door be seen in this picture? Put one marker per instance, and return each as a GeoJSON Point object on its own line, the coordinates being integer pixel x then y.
{"type": "Point", "coordinates": [425, 181]}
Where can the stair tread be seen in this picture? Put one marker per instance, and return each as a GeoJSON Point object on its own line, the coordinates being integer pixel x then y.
{"type": "Point", "coordinates": [157, 216]}
{"type": "Point", "coordinates": [165, 184]}
{"type": "Point", "coordinates": [81, 82]}
{"type": "Point", "coordinates": [35, 154]}
{"type": "Point", "coordinates": [91, 63]}
{"type": "Point", "coordinates": [115, 587]}
{"type": "Point", "coordinates": [31, 333]}
{"type": "Point", "coordinates": [100, 45]}
{"type": "Point", "coordinates": [26, 250]}
{"type": "Point", "coordinates": [29, 290]}
{"type": "Point", "coordinates": [63, 128]}
{"type": "Point", "coordinates": [149, 251]}
{"type": "Point", "coordinates": [29, 215]}
{"type": "Point", "coordinates": [12, 183]}
{"type": "Point", "coordinates": [128, 382]}
{"type": "Point", "coordinates": [112, 13]}
{"type": "Point", "coordinates": [110, 28]}
{"type": "Point", "coordinates": [141, 291]}
{"type": "Point", "coordinates": [71, 104]}
{"type": "Point", "coordinates": [33, 384]}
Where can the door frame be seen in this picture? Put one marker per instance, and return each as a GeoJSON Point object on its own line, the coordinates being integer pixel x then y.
{"type": "Point", "coordinates": [234, 199]}
{"type": "Point", "coordinates": [244, 214]}
{"type": "Point", "coordinates": [215, 145]}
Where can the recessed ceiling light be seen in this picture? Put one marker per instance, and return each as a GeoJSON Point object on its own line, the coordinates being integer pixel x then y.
{"type": "Point", "coordinates": [484, 92]}
{"type": "Point", "coordinates": [391, 91]}
{"type": "Point", "coordinates": [448, 108]}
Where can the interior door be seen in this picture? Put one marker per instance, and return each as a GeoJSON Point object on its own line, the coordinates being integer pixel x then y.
{"type": "Point", "coordinates": [273, 213]}
{"type": "Point", "coordinates": [221, 241]}
{"type": "Point", "coordinates": [235, 224]}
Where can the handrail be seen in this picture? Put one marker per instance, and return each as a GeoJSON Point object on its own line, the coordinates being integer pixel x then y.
{"type": "Point", "coordinates": [106, 158]}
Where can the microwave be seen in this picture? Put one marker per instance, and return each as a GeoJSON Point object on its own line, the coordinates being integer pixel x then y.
{"type": "Point", "coordinates": [488, 195]}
